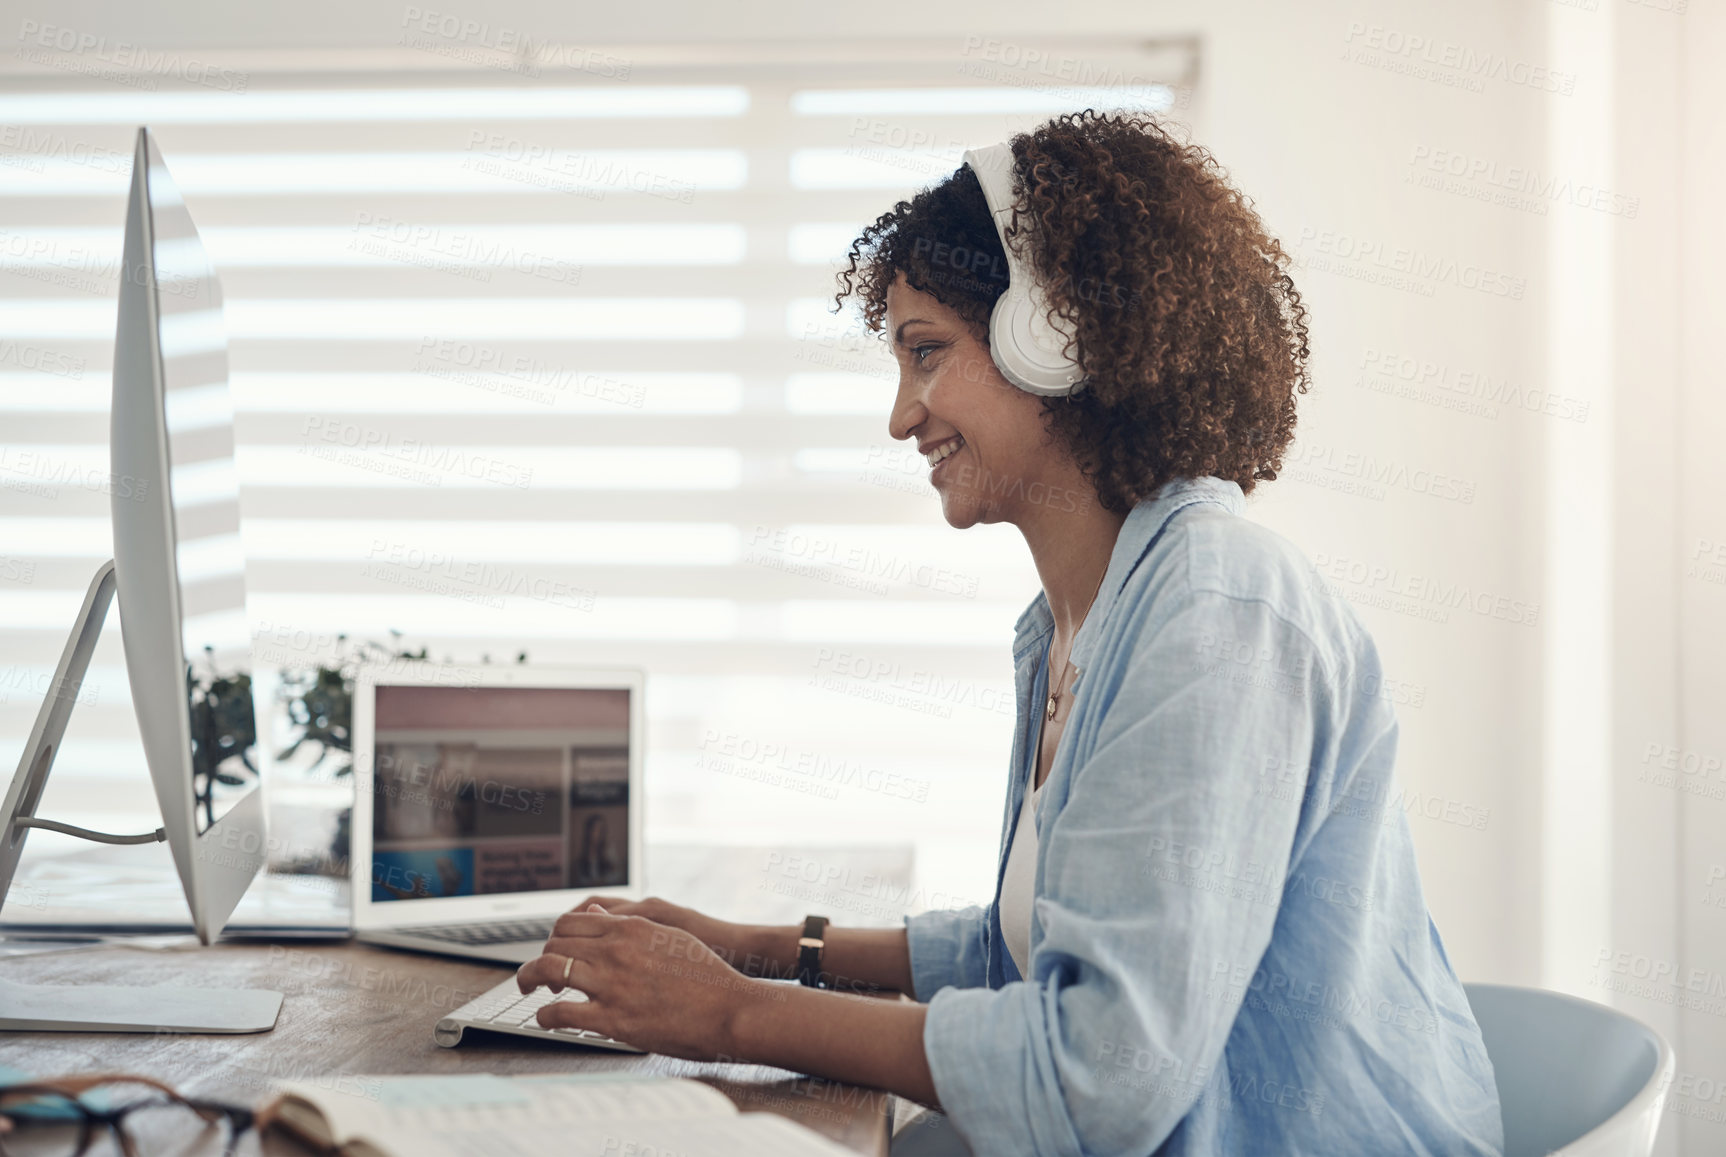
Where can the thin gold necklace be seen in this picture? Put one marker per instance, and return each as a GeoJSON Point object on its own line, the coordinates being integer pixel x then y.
{"type": "Point", "coordinates": [1055, 693]}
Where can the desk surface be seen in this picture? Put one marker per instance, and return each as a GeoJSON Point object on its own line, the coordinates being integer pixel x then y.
{"type": "Point", "coordinates": [352, 1008]}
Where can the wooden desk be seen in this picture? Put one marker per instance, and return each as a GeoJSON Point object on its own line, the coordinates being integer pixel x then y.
{"type": "Point", "coordinates": [352, 1008]}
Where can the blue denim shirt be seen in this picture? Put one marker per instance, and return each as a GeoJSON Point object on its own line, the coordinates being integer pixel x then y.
{"type": "Point", "coordinates": [1230, 952]}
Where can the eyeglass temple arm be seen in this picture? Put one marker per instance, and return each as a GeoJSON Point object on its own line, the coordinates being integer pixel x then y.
{"type": "Point", "coordinates": [84, 1082]}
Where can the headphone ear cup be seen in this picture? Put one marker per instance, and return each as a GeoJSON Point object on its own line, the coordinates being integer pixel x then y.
{"type": "Point", "coordinates": [1027, 346]}
{"type": "Point", "coordinates": [1025, 343]}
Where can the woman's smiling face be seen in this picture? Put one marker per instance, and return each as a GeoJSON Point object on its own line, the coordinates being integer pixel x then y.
{"type": "Point", "coordinates": [992, 457]}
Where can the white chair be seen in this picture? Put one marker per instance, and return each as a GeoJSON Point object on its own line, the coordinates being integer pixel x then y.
{"type": "Point", "coordinates": [1575, 1079]}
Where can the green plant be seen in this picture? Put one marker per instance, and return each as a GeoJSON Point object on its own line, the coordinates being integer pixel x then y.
{"type": "Point", "coordinates": [320, 700]}
{"type": "Point", "coordinates": [224, 732]}
{"type": "Point", "coordinates": [320, 705]}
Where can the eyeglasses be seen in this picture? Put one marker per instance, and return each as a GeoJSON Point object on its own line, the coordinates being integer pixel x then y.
{"type": "Point", "coordinates": [61, 1117]}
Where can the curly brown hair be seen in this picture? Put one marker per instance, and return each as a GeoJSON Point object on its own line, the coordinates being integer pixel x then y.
{"type": "Point", "coordinates": [1189, 330]}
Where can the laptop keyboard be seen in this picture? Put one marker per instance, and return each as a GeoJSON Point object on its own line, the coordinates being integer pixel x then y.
{"type": "Point", "coordinates": [488, 933]}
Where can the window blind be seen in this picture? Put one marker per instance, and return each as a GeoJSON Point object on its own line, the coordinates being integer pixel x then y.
{"type": "Point", "coordinates": [545, 363]}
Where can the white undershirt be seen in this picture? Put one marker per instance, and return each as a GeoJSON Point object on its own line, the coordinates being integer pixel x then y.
{"type": "Point", "coordinates": [1019, 877]}
{"type": "Point", "coordinates": [1018, 883]}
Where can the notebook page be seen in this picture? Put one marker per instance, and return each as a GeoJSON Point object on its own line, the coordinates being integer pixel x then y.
{"type": "Point", "coordinates": [486, 1104]}
{"type": "Point", "coordinates": [753, 1135]}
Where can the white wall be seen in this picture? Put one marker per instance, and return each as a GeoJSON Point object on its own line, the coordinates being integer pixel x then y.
{"type": "Point", "coordinates": [1695, 305]}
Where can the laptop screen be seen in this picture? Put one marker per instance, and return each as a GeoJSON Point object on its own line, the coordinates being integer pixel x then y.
{"type": "Point", "coordinates": [481, 790]}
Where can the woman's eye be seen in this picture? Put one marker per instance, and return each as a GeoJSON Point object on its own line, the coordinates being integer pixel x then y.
{"type": "Point", "coordinates": [922, 351]}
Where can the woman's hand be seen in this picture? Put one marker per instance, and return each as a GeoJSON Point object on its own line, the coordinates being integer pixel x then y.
{"type": "Point", "coordinates": [661, 989]}
{"type": "Point", "coordinates": [649, 984]}
{"type": "Point", "coordinates": [739, 945]}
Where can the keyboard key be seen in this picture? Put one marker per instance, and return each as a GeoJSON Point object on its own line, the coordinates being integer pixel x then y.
{"type": "Point", "coordinates": [502, 932]}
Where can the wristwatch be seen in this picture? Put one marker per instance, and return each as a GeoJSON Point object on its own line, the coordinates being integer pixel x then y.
{"type": "Point", "coordinates": [810, 947]}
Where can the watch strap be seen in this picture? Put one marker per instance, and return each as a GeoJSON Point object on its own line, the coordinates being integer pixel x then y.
{"type": "Point", "coordinates": [811, 947]}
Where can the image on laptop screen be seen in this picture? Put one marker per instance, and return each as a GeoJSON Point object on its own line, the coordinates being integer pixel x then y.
{"type": "Point", "coordinates": [499, 789]}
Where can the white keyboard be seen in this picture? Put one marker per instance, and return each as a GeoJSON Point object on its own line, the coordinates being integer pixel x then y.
{"type": "Point", "coordinates": [505, 1009]}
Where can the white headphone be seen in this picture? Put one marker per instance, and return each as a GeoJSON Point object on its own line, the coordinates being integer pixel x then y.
{"type": "Point", "coordinates": [1026, 342]}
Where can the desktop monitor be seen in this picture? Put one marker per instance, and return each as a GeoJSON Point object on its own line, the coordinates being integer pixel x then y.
{"type": "Point", "coordinates": [178, 570]}
{"type": "Point", "coordinates": [179, 566]}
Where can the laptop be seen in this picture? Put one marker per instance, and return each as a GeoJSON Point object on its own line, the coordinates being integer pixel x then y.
{"type": "Point", "coordinates": [491, 800]}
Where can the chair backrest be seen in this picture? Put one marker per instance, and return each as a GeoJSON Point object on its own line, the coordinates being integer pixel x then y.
{"type": "Point", "coordinates": [1574, 1077]}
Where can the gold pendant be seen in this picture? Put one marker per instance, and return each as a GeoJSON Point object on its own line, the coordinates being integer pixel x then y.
{"type": "Point", "coordinates": [1050, 712]}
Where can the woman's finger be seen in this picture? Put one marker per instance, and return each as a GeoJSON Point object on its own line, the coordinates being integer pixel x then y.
{"type": "Point", "coordinates": [609, 903]}
{"type": "Point", "coordinates": [583, 949]}
{"type": "Point", "coordinates": [535, 973]}
{"type": "Point", "coordinates": [548, 971]}
{"type": "Point", "coordinates": [571, 1014]}
{"type": "Point", "coordinates": [584, 923]}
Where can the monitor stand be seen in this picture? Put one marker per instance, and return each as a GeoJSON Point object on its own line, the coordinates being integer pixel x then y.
{"type": "Point", "coordinates": [85, 1007]}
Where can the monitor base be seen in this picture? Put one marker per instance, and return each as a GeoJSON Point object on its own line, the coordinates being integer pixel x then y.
{"type": "Point", "coordinates": [109, 1008]}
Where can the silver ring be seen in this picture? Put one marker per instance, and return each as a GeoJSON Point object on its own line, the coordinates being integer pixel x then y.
{"type": "Point", "coordinates": [568, 963]}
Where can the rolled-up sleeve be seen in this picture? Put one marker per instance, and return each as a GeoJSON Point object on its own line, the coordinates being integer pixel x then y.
{"type": "Point", "coordinates": [1162, 872]}
{"type": "Point", "coordinates": [947, 950]}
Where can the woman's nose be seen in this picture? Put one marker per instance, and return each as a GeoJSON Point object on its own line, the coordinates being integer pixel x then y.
{"type": "Point", "coordinates": [907, 414]}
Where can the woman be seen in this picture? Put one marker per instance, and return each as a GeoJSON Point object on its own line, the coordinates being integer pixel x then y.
{"type": "Point", "coordinates": [1209, 935]}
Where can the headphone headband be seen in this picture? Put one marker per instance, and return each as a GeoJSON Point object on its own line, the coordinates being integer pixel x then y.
{"type": "Point", "coordinates": [1027, 343]}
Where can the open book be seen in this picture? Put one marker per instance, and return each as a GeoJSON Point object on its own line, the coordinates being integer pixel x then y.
{"type": "Point", "coordinates": [576, 1115]}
